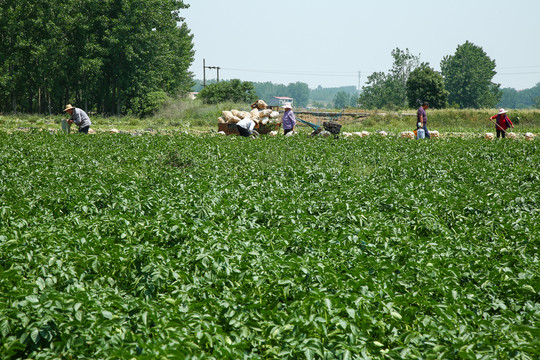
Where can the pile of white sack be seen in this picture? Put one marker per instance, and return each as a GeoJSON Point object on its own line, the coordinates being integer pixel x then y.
{"type": "Point", "coordinates": [266, 116]}
{"type": "Point", "coordinates": [358, 133]}
{"type": "Point", "coordinates": [511, 135]}
{"type": "Point", "coordinates": [407, 134]}
{"type": "Point", "coordinates": [410, 134]}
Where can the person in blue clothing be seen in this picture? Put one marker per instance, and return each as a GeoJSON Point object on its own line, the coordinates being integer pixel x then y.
{"type": "Point", "coordinates": [289, 120]}
{"type": "Point", "coordinates": [421, 118]}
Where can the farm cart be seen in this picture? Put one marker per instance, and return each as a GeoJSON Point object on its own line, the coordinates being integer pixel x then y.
{"type": "Point", "coordinates": [332, 127]}
{"type": "Point", "coordinates": [316, 128]}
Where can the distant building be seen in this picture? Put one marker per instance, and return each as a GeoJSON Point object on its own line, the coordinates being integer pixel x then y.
{"type": "Point", "coordinates": [278, 101]}
{"type": "Point", "coordinates": [193, 95]}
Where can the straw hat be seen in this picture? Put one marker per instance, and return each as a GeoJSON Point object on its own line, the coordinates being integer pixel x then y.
{"type": "Point", "coordinates": [68, 107]}
{"type": "Point", "coordinates": [501, 111]}
{"type": "Point", "coordinates": [287, 106]}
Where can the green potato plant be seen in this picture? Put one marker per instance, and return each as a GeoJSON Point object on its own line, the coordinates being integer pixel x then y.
{"type": "Point", "coordinates": [210, 247]}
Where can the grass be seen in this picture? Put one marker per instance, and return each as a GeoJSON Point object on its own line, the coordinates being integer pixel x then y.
{"type": "Point", "coordinates": [448, 120]}
{"type": "Point", "coordinates": [188, 115]}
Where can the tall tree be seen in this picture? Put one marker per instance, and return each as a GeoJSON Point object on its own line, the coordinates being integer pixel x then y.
{"type": "Point", "coordinates": [104, 55]}
{"type": "Point", "coordinates": [468, 77]}
{"type": "Point", "coordinates": [509, 98]}
{"type": "Point", "coordinates": [341, 100]}
{"type": "Point", "coordinates": [379, 92]}
{"type": "Point", "coordinates": [388, 90]}
{"type": "Point", "coordinates": [299, 91]}
{"type": "Point", "coordinates": [426, 84]}
{"type": "Point", "coordinates": [404, 64]}
{"type": "Point", "coordinates": [267, 90]}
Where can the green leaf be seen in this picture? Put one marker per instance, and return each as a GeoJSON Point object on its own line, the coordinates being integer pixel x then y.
{"type": "Point", "coordinates": [41, 283]}
{"type": "Point", "coordinates": [5, 328]}
{"type": "Point", "coordinates": [32, 298]}
{"type": "Point", "coordinates": [145, 318]}
{"type": "Point", "coordinates": [34, 335]}
{"type": "Point", "coordinates": [107, 314]}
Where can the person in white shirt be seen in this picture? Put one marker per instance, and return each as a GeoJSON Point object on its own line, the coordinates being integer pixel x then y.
{"type": "Point", "coordinates": [246, 127]}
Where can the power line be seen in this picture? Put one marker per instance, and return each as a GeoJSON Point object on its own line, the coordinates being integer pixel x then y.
{"type": "Point", "coordinates": [356, 74]}
{"type": "Point", "coordinates": [343, 74]}
{"type": "Point", "coordinates": [520, 73]}
{"type": "Point", "coordinates": [520, 67]}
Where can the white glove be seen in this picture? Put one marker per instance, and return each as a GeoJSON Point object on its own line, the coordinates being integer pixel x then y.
{"type": "Point", "coordinates": [419, 124]}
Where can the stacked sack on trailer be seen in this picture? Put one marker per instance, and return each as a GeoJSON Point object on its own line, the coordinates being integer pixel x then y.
{"type": "Point", "coordinates": [259, 113]}
{"type": "Point", "coordinates": [263, 117]}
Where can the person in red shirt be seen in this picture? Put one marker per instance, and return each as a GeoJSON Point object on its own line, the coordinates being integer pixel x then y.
{"type": "Point", "coordinates": [502, 123]}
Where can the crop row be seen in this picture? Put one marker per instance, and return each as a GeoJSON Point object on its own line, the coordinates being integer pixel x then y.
{"type": "Point", "coordinates": [115, 246]}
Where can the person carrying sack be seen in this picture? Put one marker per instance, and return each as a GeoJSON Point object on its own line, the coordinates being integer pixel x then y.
{"type": "Point", "coordinates": [502, 123]}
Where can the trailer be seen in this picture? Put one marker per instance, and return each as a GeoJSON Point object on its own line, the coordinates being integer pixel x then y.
{"type": "Point", "coordinates": [232, 129]}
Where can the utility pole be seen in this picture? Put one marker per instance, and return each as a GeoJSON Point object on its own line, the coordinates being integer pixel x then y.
{"type": "Point", "coordinates": [359, 82]}
{"type": "Point", "coordinates": [209, 67]}
{"type": "Point", "coordinates": [217, 68]}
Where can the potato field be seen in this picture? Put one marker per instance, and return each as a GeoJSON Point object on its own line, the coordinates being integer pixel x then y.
{"type": "Point", "coordinates": [210, 247]}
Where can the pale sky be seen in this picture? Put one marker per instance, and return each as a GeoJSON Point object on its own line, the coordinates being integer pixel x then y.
{"type": "Point", "coordinates": [327, 42]}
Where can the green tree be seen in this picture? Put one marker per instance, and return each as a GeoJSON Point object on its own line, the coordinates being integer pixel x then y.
{"type": "Point", "coordinates": [536, 102]}
{"type": "Point", "coordinates": [379, 92]}
{"type": "Point", "coordinates": [299, 91]}
{"type": "Point", "coordinates": [267, 90]}
{"type": "Point", "coordinates": [341, 100]}
{"type": "Point", "coordinates": [388, 90]}
{"type": "Point", "coordinates": [404, 64]}
{"type": "Point", "coordinates": [426, 84]}
{"type": "Point", "coordinates": [522, 99]}
{"type": "Point", "coordinates": [232, 90]}
{"type": "Point", "coordinates": [529, 97]}
{"type": "Point", "coordinates": [468, 77]}
{"type": "Point", "coordinates": [104, 55]}
{"type": "Point", "coordinates": [509, 98]}
{"type": "Point", "coordinates": [326, 95]}
{"type": "Point", "coordinates": [353, 100]}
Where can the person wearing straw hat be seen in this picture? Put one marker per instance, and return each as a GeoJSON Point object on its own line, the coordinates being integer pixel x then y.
{"type": "Point", "coordinates": [502, 123]}
{"type": "Point", "coordinates": [79, 117]}
{"type": "Point", "coordinates": [289, 120]}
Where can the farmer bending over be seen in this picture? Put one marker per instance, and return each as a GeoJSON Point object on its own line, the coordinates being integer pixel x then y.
{"type": "Point", "coordinates": [79, 117]}
{"type": "Point", "coordinates": [246, 127]}
{"type": "Point", "coordinates": [502, 123]}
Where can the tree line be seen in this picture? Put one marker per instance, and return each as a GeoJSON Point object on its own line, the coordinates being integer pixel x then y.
{"type": "Point", "coordinates": [108, 56]}
{"type": "Point", "coordinates": [234, 90]}
{"type": "Point", "coordinates": [521, 99]}
{"type": "Point", "coordinates": [465, 81]}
